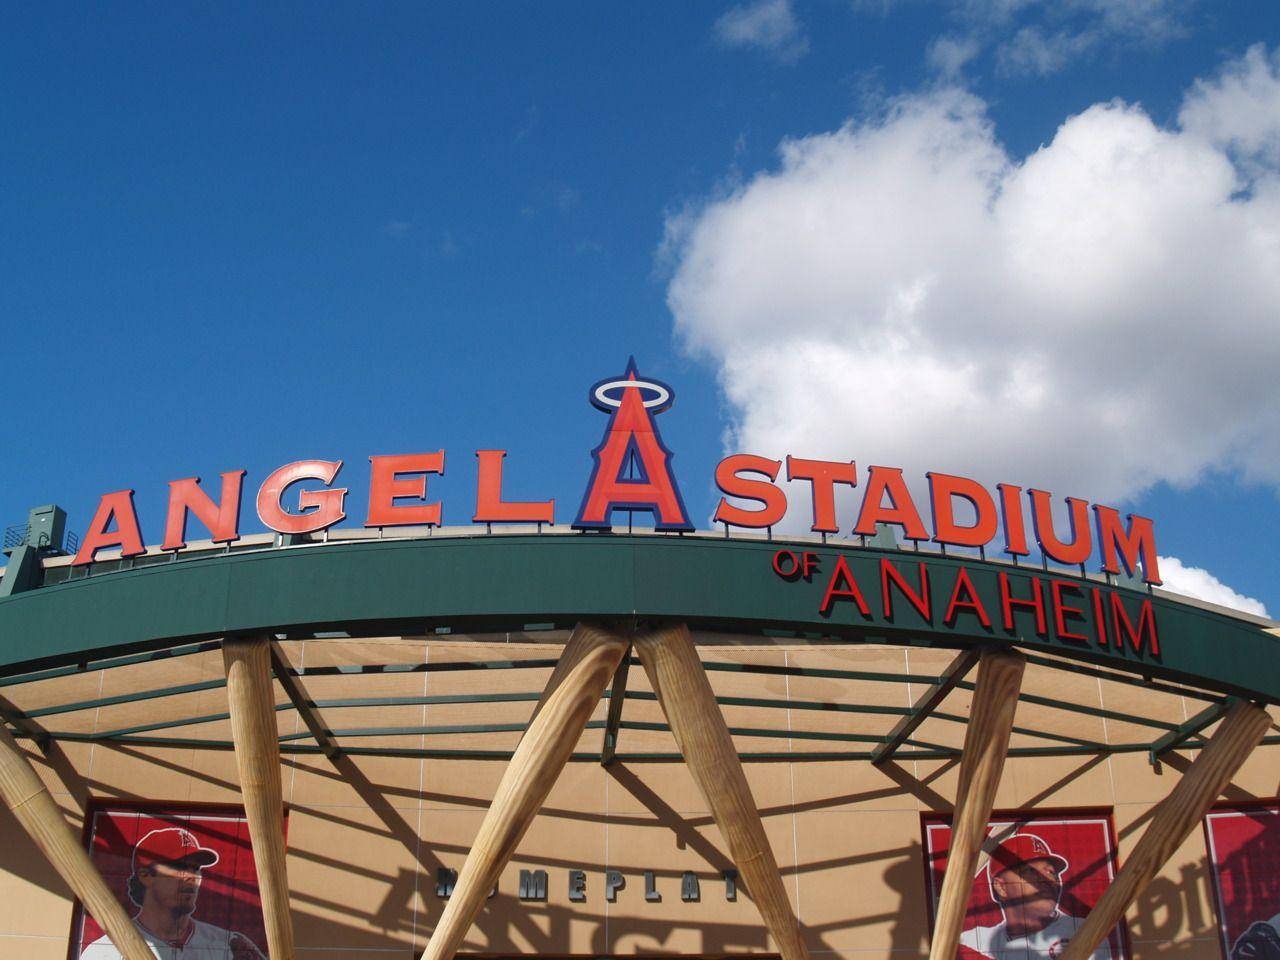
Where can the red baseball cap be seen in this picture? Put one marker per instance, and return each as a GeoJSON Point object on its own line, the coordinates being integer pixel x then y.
{"type": "Point", "coordinates": [1023, 848]}
{"type": "Point", "coordinates": [169, 845]}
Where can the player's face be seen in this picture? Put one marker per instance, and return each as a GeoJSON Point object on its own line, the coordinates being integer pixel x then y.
{"type": "Point", "coordinates": [173, 886]}
{"type": "Point", "coordinates": [1034, 887]}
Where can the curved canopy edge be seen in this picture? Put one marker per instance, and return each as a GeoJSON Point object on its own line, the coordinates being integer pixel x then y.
{"type": "Point", "coordinates": [840, 592]}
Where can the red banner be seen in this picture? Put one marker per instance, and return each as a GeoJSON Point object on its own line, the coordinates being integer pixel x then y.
{"type": "Point", "coordinates": [185, 876]}
{"type": "Point", "coordinates": [1037, 878]}
{"type": "Point", "coordinates": [1244, 856]}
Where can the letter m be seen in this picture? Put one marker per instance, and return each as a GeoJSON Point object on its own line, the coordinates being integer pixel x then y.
{"type": "Point", "coordinates": [1123, 627]}
{"type": "Point", "coordinates": [1135, 546]}
{"type": "Point", "coordinates": [533, 884]}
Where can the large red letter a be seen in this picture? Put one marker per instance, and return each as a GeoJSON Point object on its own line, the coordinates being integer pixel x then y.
{"type": "Point", "coordinates": [632, 469]}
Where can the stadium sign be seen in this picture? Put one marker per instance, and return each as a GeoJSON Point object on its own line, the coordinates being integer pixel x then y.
{"type": "Point", "coordinates": [632, 473]}
{"type": "Point", "coordinates": [979, 599]}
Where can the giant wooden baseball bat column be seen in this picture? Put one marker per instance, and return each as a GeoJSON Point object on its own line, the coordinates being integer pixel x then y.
{"type": "Point", "coordinates": [680, 682]}
{"type": "Point", "coordinates": [33, 806]}
{"type": "Point", "coordinates": [253, 728]}
{"type": "Point", "coordinates": [587, 664]}
{"type": "Point", "coordinates": [986, 744]}
{"type": "Point", "coordinates": [1174, 818]}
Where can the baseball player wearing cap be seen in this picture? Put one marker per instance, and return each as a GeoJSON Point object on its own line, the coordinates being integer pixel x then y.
{"type": "Point", "coordinates": [1025, 877]}
{"type": "Point", "coordinates": [1260, 942]}
{"type": "Point", "coordinates": [167, 872]}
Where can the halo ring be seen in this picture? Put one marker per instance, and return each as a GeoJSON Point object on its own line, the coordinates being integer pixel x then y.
{"type": "Point", "coordinates": [601, 393]}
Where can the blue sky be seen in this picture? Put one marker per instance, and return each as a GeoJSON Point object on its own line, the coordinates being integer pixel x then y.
{"type": "Point", "coordinates": [235, 237]}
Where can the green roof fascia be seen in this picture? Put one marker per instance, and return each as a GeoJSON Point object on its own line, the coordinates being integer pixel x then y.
{"type": "Point", "coordinates": [494, 582]}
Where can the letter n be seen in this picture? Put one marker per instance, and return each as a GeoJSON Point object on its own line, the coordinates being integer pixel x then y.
{"type": "Point", "coordinates": [222, 518]}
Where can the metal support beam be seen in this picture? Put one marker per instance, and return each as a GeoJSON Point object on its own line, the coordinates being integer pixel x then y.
{"type": "Point", "coordinates": [253, 728]}
{"type": "Point", "coordinates": [927, 703]}
{"type": "Point", "coordinates": [135, 697]}
{"type": "Point", "coordinates": [1130, 679]}
{"type": "Point", "coordinates": [25, 726]}
{"type": "Point", "coordinates": [926, 752]}
{"type": "Point", "coordinates": [776, 670]}
{"type": "Point", "coordinates": [1089, 711]}
{"type": "Point", "coordinates": [683, 690]}
{"type": "Point", "coordinates": [986, 743]}
{"type": "Point", "coordinates": [1173, 820]}
{"type": "Point", "coordinates": [447, 666]}
{"type": "Point", "coordinates": [34, 808]}
{"type": "Point", "coordinates": [110, 664]}
{"type": "Point", "coordinates": [612, 723]}
{"type": "Point", "coordinates": [302, 703]}
{"type": "Point", "coordinates": [1176, 738]}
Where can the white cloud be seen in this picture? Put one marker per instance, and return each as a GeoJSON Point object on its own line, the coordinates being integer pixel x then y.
{"type": "Point", "coordinates": [1160, 19]}
{"type": "Point", "coordinates": [1203, 585]}
{"type": "Point", "coordinates": [1033, 51]}
{"type": "Point", "coordinates": [767, 25]}
{"type": "Point", "coordinates": [1239, 110]}
{"type": "Point", "coordinates": [948, 55]}
{"type": "Point", "coordinates": [1093, 318]}
{"type": "Point", "coordinates": [1041, 37]}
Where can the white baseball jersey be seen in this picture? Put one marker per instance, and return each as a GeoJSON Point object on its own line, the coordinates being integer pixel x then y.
{"type": "Point", "coordinates": [206, 942]}
{"type": "Point", "coordinates": [1045, 944]}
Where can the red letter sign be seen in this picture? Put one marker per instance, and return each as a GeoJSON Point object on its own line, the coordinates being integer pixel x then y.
{"type": "Point", "coordinates": [491, 508]}
{"type": "Point", "coordinates": [823, 475]}
{"type": "Point", "coordinates": [732, 484]}
{"type": "Point", "coordinates": [1137, 544]}
{"type": "Point", "coordinates": [127, 536]}
{"type": "Point", "coordinates": [1145, 632]}
{"type": "Point", "coordinates": [965, 597]}
{"type": "Point", "coordinates": [1015, 529]}
{"type": "Point", "coordinates": [632, 465]}
{"type": "Point", "coordinates": [842, 586]}
{"type": "Point", "coordinates": [1080, 546]}
{"type": "Point", "coordinates": [901, 509]}
{"type": "Point", "coordinates": [222, 518]}
{"type": "Point", "coordinates": [321, 508]}
{"type": "Point", "coordinates": [943, 489]}
{"type": "Point", "coordinates": [386, 483]}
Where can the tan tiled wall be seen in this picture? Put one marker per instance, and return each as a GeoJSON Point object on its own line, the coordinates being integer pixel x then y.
{"type": "Point", "coordinates": [365, 839]}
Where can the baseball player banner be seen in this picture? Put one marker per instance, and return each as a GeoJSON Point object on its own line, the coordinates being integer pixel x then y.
{"type": "Point", "coordinates": [1244, 857]}
{"type": "Point", "coordinates": [185, 876]}
{"type": "Point", "coordinates": [1037, 878]}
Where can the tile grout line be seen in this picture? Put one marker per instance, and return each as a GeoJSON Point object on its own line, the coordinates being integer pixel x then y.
{"type": "Point", "coordinates": [297, 719]}
{"type": "Point", "coordinates": [293, 767]}
{"type": "Point", "coordinates": [906, 665]}
{"type": "Point", "coordinates": [791, 769]}
{"type": "Point", "coordinates": [1106, 738]}
{"type": "Point", "coordinates": [607, 778]}
{"type": "Point", "coordinates": [93, 747]}
{"type": "Point", "coordinates": [422, 770]}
